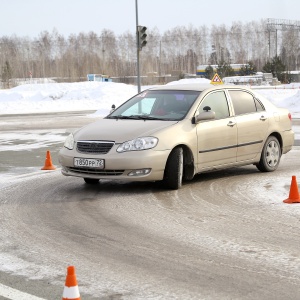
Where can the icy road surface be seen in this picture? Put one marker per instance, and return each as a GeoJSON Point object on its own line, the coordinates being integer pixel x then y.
{"type": "Point", "coordinates": [225, 235]}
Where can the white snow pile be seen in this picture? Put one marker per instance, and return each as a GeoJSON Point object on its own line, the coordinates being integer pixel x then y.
{"type": "Point", "coordinates": [99, 96]}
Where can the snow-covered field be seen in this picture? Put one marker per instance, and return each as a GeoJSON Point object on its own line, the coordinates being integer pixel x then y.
{"type": "Point", "coordinates": [59, 97]}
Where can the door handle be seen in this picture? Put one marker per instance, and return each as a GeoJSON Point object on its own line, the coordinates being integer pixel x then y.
{"type": "Point", "coordinates": [231, 124]}
{"type": "Point", "coordinates": [263, 118]}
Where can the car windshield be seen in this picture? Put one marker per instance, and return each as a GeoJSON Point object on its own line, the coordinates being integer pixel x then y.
{"type": "Point", "coordinates": [156, 105]}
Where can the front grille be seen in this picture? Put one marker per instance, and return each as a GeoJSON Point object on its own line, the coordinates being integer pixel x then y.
{"type": "Point", "coordinates": [95, 171]}
{"type": "Point", "coordinates": [95, 147]}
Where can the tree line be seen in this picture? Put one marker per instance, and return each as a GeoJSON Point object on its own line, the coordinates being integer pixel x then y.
{"type": "Point", "coordinates": [178, 50]}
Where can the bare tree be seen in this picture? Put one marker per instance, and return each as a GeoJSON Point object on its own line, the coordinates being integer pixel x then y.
{"type": "Point", "coordinates": [178, 50]}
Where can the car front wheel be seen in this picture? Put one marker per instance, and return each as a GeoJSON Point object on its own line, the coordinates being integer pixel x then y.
{"type": "Point", "coordinates": [270, 156]}
{"type": "Point", "coordinates": [174, 169]}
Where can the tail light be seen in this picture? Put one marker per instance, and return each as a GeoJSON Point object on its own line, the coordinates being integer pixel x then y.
{"type": "Point", "coordinates": [290, 116]}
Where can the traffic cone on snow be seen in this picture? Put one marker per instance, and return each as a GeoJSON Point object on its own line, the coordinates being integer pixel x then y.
{"type": "Point", "coordinates": [294, 196]}
{"type": "Point", "coordinates": [71, 291]}
{"type": "Point", "coordinates": [48, 162]}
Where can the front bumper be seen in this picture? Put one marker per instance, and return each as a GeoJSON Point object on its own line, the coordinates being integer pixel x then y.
{"type": "Point", "coordinates": [118, 166]}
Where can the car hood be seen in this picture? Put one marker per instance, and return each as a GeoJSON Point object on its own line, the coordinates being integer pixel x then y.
{"type": "Point", "coordinates": [120, 130]}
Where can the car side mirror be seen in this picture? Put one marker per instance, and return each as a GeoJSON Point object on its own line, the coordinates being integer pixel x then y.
{"type": "Point", "coordinates": [206, 108]}
{"type": "Point", "coordinates": [204, 116]}
{"type": "Point", "coordinates": [113, 107]}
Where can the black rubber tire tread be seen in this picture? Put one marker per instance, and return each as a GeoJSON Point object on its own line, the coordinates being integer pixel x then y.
{"type": "Point", "coordinates": [174, 169]}
{"type": "Point", "coordinates": [188, 172]}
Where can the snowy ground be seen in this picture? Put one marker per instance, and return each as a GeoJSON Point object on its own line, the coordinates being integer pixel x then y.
{"type": "Point", "coordinates": [58, 97]}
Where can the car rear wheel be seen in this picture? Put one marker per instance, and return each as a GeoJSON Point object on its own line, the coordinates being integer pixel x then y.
{"type": "Point", "coordinates": [91, 180]}
{"type": "Point", "coordinates": [270, 156]}
{"type": "Point", "coordinates": [174, 169]}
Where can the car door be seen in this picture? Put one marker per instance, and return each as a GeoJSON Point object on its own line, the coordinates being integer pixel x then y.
{"type": "Point", "coordinates": [217, 138]}
{"type": "Point", "coordinates": [252, 124]}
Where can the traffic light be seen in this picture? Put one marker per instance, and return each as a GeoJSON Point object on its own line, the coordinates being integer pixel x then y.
{"type": "Point", "coordinates": [142, 36]}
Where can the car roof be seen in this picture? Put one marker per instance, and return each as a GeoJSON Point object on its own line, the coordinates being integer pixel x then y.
{"type": "Point", "coordinates": [188, 86]}
{"type": "Point", "coordinates": [194, 87]}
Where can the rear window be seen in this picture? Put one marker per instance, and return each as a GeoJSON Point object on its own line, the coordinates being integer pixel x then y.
{"type": "Point", "coordinates": [244, 102]}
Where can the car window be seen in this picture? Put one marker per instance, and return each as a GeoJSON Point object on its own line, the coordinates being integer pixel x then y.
{"type": "Point", "coordinates": [244, 102]}
{"type": "Point", "coordinates": [142, 107]}
{"type": "Point", "coordinates": [157, 104]}
{"type": "Point", "coordinates": [258, 104]}
{"type": "Point", "coordinates": [217, 102]}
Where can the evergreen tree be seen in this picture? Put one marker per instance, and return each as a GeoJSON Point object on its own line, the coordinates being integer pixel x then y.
{"type": "Point", "coordinates": [224, 69]}
{"type": "Point", "coordinates": [276, 67]}
{"type": "Point", "coordinates": [248, 69]}
{"type": "Point", "coordinates": [209, 72]}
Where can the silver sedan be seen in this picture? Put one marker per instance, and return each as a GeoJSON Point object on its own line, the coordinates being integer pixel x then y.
{"type": "Point", "coordinates": [172, 132]}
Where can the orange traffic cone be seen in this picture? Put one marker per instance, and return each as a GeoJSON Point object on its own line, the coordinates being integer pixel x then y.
{"type": "Point", "coordinates": [294, 196]}
{"type": "Point", "coordinates": [71, 291]}
{"type": "Point", "coordinates": [48, 162]}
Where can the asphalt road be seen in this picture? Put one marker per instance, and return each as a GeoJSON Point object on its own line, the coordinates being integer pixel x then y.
{"type": "Point", "coordinates": [225, 235]}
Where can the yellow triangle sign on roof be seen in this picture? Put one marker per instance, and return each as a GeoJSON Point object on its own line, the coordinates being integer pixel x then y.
{"type": "Point", "coordinates": [216, 79]}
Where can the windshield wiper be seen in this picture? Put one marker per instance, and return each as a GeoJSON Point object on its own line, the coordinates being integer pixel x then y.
{"type": "Point", "coordinates": [123, 117]}
{"type": "Point", "coordinates": [144, 117]}
{"type": "Point", "coordinates": [134, 117]}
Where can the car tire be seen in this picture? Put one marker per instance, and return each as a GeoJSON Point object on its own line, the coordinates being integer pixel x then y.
{"type": "Point", "coordinates": [188, 172]}
{"type": "Point", "coordinates": [91, 180]}
{"type": "Point", "coordinates": [270, 155]}
{"type": "Point", "coordinates": [174, 169]}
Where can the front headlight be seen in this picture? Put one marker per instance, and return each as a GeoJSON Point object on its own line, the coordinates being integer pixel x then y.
{"type": "Point", "coordinates": [69, 142]}
{"type": "Point", "coordinates": [138, 144]}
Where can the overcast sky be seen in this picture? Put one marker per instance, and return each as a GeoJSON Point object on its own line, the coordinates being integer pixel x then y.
{"type": "Point", "coordinates": [30, 17]}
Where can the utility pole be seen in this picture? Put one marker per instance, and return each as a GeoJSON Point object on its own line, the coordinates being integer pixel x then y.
{"type": "Point", "coordinates": [273, 25]}
{"type": "Point", "coordinates": [137, 48]}
{"type": "Point", "coordinates": [140, 43]}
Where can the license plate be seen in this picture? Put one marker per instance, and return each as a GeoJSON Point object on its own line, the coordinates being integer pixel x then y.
{"type": "Point", "coordinates": [89, 162]}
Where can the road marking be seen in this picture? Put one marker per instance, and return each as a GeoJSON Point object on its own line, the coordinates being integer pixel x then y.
{"type": "Point", "coordinates": [13, 294]}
